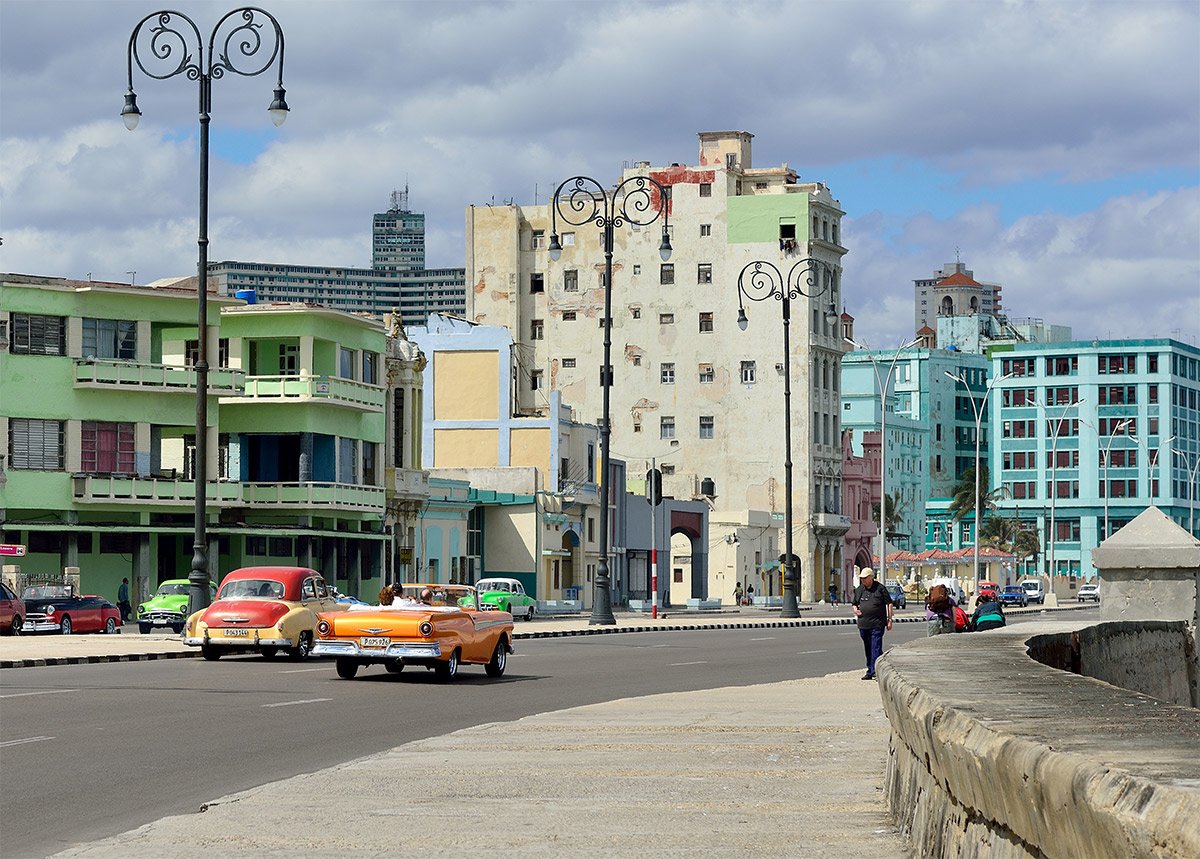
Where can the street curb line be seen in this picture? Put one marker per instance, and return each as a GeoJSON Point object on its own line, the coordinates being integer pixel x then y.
{"type": "Point", "coordinates": [525, 636]}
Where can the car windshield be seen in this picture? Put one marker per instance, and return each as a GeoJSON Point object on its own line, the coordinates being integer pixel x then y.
{"type": "Point", "coordinates": [173, 590]}
{"type": "Point", "coordinates": [47, 592]}
{"type": "Point", "coordinates": [252, 588]}
{"type": "Point", "coordinates": [1013, 589]}
{"type": "Point", "coordinates": [494, 586]}
{"type": "Point", "coordinates": [1031, 586]}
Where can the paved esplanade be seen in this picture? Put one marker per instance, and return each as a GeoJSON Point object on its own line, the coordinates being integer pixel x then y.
{"type": "Point", "coordinates": [785, 769]}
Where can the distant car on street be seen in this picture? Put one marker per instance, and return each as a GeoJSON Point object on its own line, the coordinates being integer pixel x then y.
{"type": "Point", "coordinates": [1014, 595]}
{"type": "Point", "coordinates": [990, 588]}
{"type": "Point", "coordinates": [506, 595]}
{"type": "Point", "coordinates": [12, 611]}
{"type": "Point", "coordinates": [899, 600]}
{"type": "Point", "coordinates": [1090, 591]}
{"type": "Point", "coordinates": [1034, 592]}
{"type": "Point", "coordinates": [167, 609]}
{"type": "Point", "coordinates": [57, 608]}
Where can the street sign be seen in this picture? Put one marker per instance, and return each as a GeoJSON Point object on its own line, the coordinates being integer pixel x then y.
{"type": "Point", "coordinates": [12, 550]}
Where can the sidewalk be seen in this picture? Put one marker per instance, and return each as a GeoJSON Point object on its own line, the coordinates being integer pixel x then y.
{"type": "Point", "coordinates": [778, 770]}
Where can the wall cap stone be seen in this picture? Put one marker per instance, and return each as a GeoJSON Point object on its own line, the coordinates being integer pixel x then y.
{"type": "Point", "coordinates": [1152, 541]}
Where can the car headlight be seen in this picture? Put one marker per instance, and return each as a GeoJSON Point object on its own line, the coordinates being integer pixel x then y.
{"type": "Point", "coordinates": [49, 609]}
{"type": "Point", "coordinates": [142, 609]}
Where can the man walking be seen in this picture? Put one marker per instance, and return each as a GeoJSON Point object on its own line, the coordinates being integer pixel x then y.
{"type": "Point", "coordinates": [873, 607]}
{"type": "Point", "coordinates": [123, 600]}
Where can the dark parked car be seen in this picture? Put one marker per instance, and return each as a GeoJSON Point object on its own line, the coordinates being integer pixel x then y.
{"type": "Point", "coordinates": [12, 611]}
{"type": "Point", "coordinates": [899, 600]}
{"type": "Point", "coordinates": [1014, 595]}
{"type": "Point", "coordinates": [56, 608]}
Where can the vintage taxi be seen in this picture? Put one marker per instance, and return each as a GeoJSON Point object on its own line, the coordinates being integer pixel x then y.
{"type": "Point", "coordinates": [435, 626]}
{"type": "Point", "coordinates": [267, 609]}
{"type": "Point", "coordinates": [507, 595]}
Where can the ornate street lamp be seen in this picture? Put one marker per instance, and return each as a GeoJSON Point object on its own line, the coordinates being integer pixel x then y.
{"type": "Point", "coordinates": [639, 201]}
{"type": "Point", "coordinates": [759, 281]}
{"type": "Point", "coordinates": [884, 381]}
{"type": "Point", "coordinates": [173, 46]}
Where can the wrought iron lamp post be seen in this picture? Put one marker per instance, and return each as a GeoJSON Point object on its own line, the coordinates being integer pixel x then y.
{"type": "Point", "coordinates": [759, 281]}
{"type": "Point", "coordinates": [639, 201]}
{"type": "Point", "coordinates": [884, 381]}
{"type": "Point", "coordinates": [245, 41]}
{"type": "Point", "coordinates": [978, 407]}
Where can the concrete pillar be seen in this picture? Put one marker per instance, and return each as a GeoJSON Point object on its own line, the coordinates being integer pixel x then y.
{"type": "Point", "coordinates": [1150, 570]}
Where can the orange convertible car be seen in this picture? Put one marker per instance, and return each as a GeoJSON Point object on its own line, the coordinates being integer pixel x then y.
{"type": "Point", "coordinates": [434, 626]}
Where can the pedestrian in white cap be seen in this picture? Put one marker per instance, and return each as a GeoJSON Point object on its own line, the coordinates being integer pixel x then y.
{"type": "Point", "coordinates": [873, 607]}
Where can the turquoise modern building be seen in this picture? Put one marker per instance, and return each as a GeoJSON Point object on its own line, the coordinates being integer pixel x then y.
{"type": "Point", "coordinates": [1094, 431]}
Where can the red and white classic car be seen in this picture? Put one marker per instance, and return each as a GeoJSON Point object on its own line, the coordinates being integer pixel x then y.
{"type": "Point", "coordinates": [267, 609]}
{"type": "Point", "coordinates": [435, 626]}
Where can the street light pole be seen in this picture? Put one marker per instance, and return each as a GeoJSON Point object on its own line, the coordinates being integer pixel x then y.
{"type": "Point", "coordinates": [1151, 461]}
{"type": "Point", "coordinates": [978, 407]}
{"type": "Point", "coordinates": [1120, 427]}
{"type": "Point", "coordinates": [759, 281]}
{"type": "Point", "coordinates": [1055, 429]}
{"type": "Point", "coordinates": [1191, 469]}
{"type": "Point", "coordinates": [884, 383]}
{"type": "Point", "coordinates": [638, 200]}
{"type": "Point", "coordinates": [169, 45]}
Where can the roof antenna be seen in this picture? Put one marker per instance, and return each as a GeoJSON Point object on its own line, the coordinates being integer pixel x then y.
{"type": "Point", "coordinates": [957, 256]}
{"type": "Point", "coordinates": [132, 277]}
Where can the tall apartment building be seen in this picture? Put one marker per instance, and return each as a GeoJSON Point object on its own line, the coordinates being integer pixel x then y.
{"type": "Point", "coordinates": [953, 291]}
{"type": "Point", "coordinates": [397, 279]}
{"type": "Point", "coordinates": [1128, 444]}
{"type": "Point", "coordinates": [682, 368]}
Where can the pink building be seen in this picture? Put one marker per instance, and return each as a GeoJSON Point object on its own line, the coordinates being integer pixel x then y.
{"type": "Point", "coordinates": [860, 490]}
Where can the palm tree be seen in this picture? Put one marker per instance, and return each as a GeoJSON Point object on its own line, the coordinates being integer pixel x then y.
{"type": "Point", "coordinates": [1000, 531]}
{"type": "Point", "coordinates": [893, 514]}
{"type": "Point", "coordinates": [963, 502]}
{"type": "Point", "coordinates": [1026, 544]}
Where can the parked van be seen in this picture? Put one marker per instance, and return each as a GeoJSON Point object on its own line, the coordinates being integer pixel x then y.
{"type": "Point", "coordinates": [952, 586]}
{"type": "Point", "coordinates": [1034, 592]}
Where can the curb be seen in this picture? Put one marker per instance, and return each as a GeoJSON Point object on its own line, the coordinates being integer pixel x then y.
{"type": "Point", "coordinates": [518, 636]}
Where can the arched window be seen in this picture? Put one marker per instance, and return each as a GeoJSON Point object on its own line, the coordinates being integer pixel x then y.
{"type": "Point", "coordinates": [947, 306]}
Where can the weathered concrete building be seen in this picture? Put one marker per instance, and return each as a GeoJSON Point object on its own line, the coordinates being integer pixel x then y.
{"type": "Point", "coordinates": [682, 368]}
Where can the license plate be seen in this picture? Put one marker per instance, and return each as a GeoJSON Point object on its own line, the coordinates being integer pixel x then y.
{"type": "Point", "coordinates": [237, 633]}
{"type": "Point", "coordinates": [376, 642]}
{"type": "Point", "coordinates": [160, 622]}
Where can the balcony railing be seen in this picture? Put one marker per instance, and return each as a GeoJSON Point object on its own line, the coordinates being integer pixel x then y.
{"type": "Point", "coordinates": [834, 524]}
{"type": "Point", "coordinates": [149, 490]}
{"type": "Point", "coordinates": [132, 375]}
{"type": "Point", "coordinates": [339, 496]}
{"type": "Point", "coordinates": [329, 389]}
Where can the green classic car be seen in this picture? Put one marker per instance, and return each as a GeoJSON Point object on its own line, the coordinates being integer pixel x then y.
{"type": "Point", "coordinates": [506, 595]}
{"type": "Point", "coordinates": [167, 609]}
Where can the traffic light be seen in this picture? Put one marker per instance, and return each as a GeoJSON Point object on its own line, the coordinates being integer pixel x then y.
{"type": "Point", "coordinates": [654, 486]}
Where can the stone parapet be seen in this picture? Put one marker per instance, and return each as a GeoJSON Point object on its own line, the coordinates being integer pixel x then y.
{"type": "Point", "coordinates": [994, 754]}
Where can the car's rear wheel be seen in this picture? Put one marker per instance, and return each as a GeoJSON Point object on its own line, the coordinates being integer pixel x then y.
{"type": "Point", "coordinates": [17, 623]}
{"type": "Point", "coordinates": [499, 660]}
{"type": "Point", "coordinates": [303, 646]}
{"type": "Point", "coordinates": [394, 667]}
{"type": "Point", "coordinates": [529, 614]}
{"type": "Point", "coordinates": [449, 669]}
{"type": "Point", "coordinates": [346, 668]}
{"type": "Point", "coordinates": [110, 626]}
{"type": "Point", "coordinates": [212, 654]}
{"type": "Point", "coordinates": [65, 626]}
{"type": "Point", "coordinates": [269, 652]}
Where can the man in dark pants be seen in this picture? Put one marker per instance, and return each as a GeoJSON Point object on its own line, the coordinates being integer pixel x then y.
{"type": "Point", "coordinates": [123, 600]}
{"type": "Point", "coordinates": [873, 607]}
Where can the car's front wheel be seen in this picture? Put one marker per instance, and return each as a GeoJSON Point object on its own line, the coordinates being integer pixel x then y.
{"type": "Point", "coordinates": [17, 623]}
{"type": "Point", "coordinates": [302, 648]}
{"type": "Point", "coordinates": [346, 668]}
{"type": "Point", "coordinates": [110, 626]}
{"type": "Point", "coordinates": [64, 626]}
{"type": "Point", "coordinates": [499, 660]}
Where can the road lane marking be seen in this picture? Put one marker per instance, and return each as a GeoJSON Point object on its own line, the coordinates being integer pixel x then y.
{"type": "Point", "coordinates": [8, 743]}
{"type": "Point", "coordinates": [43, 692]}
{"type": "Point", "coordinates": [768, 638]}
{"type": "Point", "coordinates": [677, 664]}
{"type": "Point", "coordinates": [302, 670]}
{"type": "Point", "coordinates": [806, 652]}
{"type": "Point", "coordinates": [290, 703]}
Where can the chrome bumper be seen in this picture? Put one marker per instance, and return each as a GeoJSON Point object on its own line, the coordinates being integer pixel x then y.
{"type": "Point", "coordinates": [248, 641]}
{"type": "Point", "coordinates": [397, 650]}
{"type": "Point", "coordinates": [41, 626]}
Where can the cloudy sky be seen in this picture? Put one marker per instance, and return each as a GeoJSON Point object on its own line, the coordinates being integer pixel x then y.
{"type": "Point", "coordinates": [1054, 145]}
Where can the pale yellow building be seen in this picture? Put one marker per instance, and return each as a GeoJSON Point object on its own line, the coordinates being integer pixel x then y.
{"type": "Point", "coordinates": [683, 370]}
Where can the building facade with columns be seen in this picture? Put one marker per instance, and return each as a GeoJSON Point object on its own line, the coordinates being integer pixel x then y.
{"type": "Point", "coordinates": [682, 368]}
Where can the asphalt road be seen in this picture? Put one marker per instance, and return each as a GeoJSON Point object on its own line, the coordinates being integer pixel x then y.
{"type": "Point", "coordinates": [90, 751]}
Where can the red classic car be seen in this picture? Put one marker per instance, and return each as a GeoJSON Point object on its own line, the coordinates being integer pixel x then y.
{"type": "Point", "coordinates": [57, 608]}
{"type": "Point", "coordinates": [434, 626]}
{"type": "Point", "coordinates": [12, 611]}
{"type": "Point", "coordinates": [267, 609]}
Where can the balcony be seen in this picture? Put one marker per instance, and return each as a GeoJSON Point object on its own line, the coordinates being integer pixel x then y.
{"type": "Point", "coordinates": [149, 490]}
{"type": "Point", "coordinates": [830, 524]}
{"type": "Point", "coordinates": [407, 484]}
{"type": "Point", "coordinates": [298, 496]}
{"type": "Point", "coordinates": [104, 373]}
{"type": "Point", "coordinates": [311, 389]}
